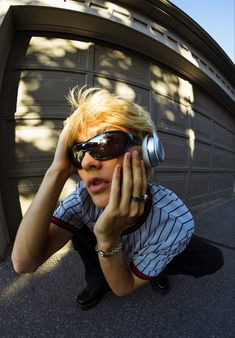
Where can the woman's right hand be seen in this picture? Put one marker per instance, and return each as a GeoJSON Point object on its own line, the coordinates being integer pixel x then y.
{"type": "Point", "coordinates": [61, 161]}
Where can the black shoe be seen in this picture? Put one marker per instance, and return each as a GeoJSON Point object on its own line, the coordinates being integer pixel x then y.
{"type": "Point", "coordinates": [89, 298]}
{"type": "Point", "coordinates": [160, 284]}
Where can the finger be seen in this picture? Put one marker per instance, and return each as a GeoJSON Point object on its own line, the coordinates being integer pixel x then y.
{"type": "Point", "coordinates": [137, 207]}
{"type": "Point", "coordinates": [127, 184]}
{"type": "Point", "coordinates": [136, 174]}
{"type": "Point", "coordinates": [144, 177]}
{"type": "Point", "coordinates": [115, 190]}
{"type": "Point", "coordinates": [144, 186]}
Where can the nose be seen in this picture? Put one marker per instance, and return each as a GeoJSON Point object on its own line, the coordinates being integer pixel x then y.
{"type": "Point", "coordinates": [90, 162]}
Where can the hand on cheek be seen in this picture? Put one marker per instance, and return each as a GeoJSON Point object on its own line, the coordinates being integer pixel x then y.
{"type": "Point", "coordinates": [139, 180]}
{"type": "Point", "coordinates": [122, 211]}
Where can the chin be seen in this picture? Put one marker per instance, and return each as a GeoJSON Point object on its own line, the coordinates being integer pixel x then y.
{"type": "Point", "coordinates": [100, 201]}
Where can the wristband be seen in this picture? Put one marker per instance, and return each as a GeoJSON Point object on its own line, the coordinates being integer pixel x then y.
{"type": "Point", "coordinates": [109, 253]}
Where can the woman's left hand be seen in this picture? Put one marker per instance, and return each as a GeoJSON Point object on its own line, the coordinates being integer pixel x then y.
{"type": "Point", "coordinates": [122, 211]}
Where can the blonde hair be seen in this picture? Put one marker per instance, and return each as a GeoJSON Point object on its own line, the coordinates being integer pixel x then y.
{"type": "Point", "coordinates": [98, 107]}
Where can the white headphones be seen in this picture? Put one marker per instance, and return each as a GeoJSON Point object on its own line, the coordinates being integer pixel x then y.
{"type": "Point", "coordinates": [152, 150]}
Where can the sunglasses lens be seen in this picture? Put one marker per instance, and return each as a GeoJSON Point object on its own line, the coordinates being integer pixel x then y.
{"type": "Point", "coordinates": [76, 157]}
{"type": "Point", "coordinates": [109, 145]}
{"type": "Point", "coordinates": [105, 146]}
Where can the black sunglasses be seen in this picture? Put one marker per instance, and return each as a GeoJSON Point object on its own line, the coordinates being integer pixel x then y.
{"type": "Point", "coordinates": [105, 146]}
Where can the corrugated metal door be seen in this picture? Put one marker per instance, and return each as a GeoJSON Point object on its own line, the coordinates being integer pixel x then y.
{"type": "Point", "coordinates": [197, 133]}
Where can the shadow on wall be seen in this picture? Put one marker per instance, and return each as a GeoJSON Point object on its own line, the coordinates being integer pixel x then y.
{"type": "Point", "coordinates": [43, 69]}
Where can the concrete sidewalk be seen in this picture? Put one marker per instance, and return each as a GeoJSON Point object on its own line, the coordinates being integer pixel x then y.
{"type": "Point", "coordinates": [42, 304]}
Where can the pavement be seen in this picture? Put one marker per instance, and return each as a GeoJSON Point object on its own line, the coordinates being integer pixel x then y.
{"type": "Point", "coordinates": [42, 304]}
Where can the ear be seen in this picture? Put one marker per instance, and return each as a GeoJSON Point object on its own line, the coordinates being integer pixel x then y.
{"type": "Point", "coordinates": [152, 150]}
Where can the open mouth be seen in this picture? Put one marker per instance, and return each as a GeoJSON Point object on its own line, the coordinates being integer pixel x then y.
{"type": "Point", "coordinates": [97, 185]}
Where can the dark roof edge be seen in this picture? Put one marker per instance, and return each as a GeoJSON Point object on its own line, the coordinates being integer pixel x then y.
{"type": "Point", "coordinates": [175, 15]}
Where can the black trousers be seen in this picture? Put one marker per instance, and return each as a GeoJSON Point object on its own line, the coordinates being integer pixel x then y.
{"type": "Point", "coordinates": [198, 259]}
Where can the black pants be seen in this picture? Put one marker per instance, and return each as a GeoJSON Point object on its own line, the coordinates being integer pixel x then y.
{"type": "Point", "coordinates": [85, 243]}
{"type": "Point", "coordinates": [198, 259]}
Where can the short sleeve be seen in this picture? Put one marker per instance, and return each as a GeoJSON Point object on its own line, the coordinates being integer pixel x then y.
{"type": "Point", "coordinates": [68, 214]}
{"type": "Point", "coordinates": [152, 260]}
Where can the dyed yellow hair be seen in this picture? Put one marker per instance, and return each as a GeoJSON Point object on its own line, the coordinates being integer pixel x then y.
{"type": "Point", "coordinates": [96, 107]}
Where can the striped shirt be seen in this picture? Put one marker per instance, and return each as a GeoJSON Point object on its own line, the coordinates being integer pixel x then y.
{"type": "Point", "coordinates": [163, 231]}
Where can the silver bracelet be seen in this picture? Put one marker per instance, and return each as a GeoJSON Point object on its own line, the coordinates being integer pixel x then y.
{"type": "Point", "coordinates": [109, 253]}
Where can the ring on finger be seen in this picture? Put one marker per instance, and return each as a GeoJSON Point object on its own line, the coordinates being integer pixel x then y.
{"type": "Point", "coordinates": [141, 199]}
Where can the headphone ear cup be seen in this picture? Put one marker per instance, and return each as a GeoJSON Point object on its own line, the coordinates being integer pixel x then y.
{"type": "Point", "coordinates": [152, 150]}
{"type": "Point", "coordinates": [145, 152]}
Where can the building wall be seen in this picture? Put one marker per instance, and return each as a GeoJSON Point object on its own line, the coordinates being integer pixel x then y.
{"type": "Point", "coordinates": [196, 127]}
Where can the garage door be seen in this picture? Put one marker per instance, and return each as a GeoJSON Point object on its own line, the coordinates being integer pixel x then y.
{"type": "Point", "coordinates": [197, 133]}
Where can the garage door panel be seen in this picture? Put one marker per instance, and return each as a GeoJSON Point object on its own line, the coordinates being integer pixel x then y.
{"type": "Point", "coordinates": [28, 187]}
{"type": "Point", "coordinates": [219, 114]}
{"type": "Point", "coordinates": [43, 93]}
{"type": "Point", "coordinates": [202, 102]}
{"type": "Point", "coordinates": [177, 152]}
{"type": "Point", "coordinates": [202, 127]}
{"type": "Point", "coordinates": [230, 161]}
{"type": "Point", "coordinates": [172, 116]}
{"type": "Point", "coordinates": [201, 158]}
{"type": "Point", "coordinates": [140, 95]}
{"type": "Point", "coordinates": [229, 180]}
{"type": "Point", "coordinates": [218, 158]}
{"type": "Point", "coordinates": [35, 145]}
{"type": "Point", "coordinates": [168, 84]}
{"type": "Point", "coordinates": [217, 183]}
{"type": "Point", "coordinates": [176, 182]}
{"type": "Point", "coordinates": [219, 135]}
{"type": "Point", "coordinates": [231, 125]}
{"type": "Point", "coordinates": [230, 138]}
{"type": "Point", "coordinates": [49, 52]}
{"type": "Point", "coordinates": [121, 64]}
{"type": "Point", "coordinates": [34, 110]}
{"type": "Point", "coordinates": [199, 187]}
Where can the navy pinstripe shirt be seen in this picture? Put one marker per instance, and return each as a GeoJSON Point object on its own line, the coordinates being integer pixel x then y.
{"type": "Point", "coordinates": [162, 232]}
